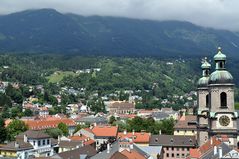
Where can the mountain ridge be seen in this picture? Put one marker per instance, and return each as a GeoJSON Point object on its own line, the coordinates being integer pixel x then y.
{"type": "Point", "coordinates": [49, 31]}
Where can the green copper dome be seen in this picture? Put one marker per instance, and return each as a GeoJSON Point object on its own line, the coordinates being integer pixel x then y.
{"type": "Point", "coordinates": [220, 56]}
{"type": "Point", "coordinates": [220, 77]}
{"type": "Point", "coordinates": [203, 82]}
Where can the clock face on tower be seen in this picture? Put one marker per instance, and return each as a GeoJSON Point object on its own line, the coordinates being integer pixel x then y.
{"type": "Point", "coordinates": [224, 120]}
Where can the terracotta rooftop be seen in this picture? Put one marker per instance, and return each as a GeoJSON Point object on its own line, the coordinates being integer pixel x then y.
{"type": "Point", "coordinates": [137, 137]}
{"type": "Point", "coordinates": [132, 154]}
{"type": "Point", "coordinates": [118, 155]}
{"type": "Point", "coordinates": [86, 140]}
{"type": "Point", "coordinates": [196, 153]}
{"type": "Point", "coordinates": [45, 124]}
{"type": "Point", "coordinates": [109, 131]}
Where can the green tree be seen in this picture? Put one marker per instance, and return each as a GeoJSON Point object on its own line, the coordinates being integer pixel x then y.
{"type": "Point", "coordinates": [14, 128]}
{"type": "Point", "coordinates": [54, 133]}
{"type": "Point", "coordinates": [112, 119]}
{"type": "Point", "coordinates": [28, 112]}
{"type": "Point", "coordinates": [167, 126]}
{"type": "Point", "coordinates": [64, 128]}
{"type": "Point", "coordinates": [16, 112]}
{"type": "Point", "coordinates": [3, 131]}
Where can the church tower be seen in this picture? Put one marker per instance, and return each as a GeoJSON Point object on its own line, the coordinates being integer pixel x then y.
{"type": "Point", "coordinates": [216, 112]}
{"type": "Point", "coordinates": [223, 118]}
{"type": "Point", "coordinates": [203, 103]}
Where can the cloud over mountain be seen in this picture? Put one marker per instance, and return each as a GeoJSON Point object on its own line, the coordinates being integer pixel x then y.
{"type": "Point", "coordinates": [222, 14]}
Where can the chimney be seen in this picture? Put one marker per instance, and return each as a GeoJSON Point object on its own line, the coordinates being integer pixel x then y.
{"type": "Point", "coordinates": [108, 148]}
{"type": "Point", "coordinates": [25, 138]}
{"type": "Point", "coordinates": [133, 132]}
{"type": "Point", "coordinates": [16, 145]}
{"type": "Point", "coordinates": [131, 146]}
{"type": "Point", "coordinates": [125, 132]}
{"type": "Point", "coordinates": [59, 139]}
{"type": "Point", "coordinates": [215, 150]}
{"type": "Point", "coordinates": [220, 152]}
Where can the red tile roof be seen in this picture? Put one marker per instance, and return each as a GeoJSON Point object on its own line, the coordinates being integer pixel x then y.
{"type": "Point", "coordinates": [137, 137]}
{"type": "Point", "coordinates": [45, 124]}
{"type": "Point", "coordinates": [196, 153]}
{"type": "Point", "coordinates": [105, 131]}
{"type": "Point", "coordinates": [132, 154]}
{"type": "Point", "coordinates": [86, 140]}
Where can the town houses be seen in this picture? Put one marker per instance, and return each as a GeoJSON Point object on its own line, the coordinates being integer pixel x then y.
{"type": "Point", "coordinates": [121, 130]}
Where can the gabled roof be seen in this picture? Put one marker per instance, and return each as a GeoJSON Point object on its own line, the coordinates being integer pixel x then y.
{"type": "Point", "coordinates": [105, 131]}
{"type": "Point", "coordinates": [137, 137]}
{"type": "Point", "coordinates": [85, 140]}
{"type": "Point", "coordinates": [172, 140]}
{"type": "Point", "coordinates": [17, 146]}
{"type": "Point", "coordinates": [118, 155]}
{"type": "Point", "coordinates": [132, 154]}
{"type": "Point", "coordinates": [45, 124]}
{"type": "Point", "coordinates": [33, 134]}
{"type": "Point", "coordinates": [185, 122]}
{"type": "Point", "coordinates": [70, 144]}
{"type": "Point", "coordinates": [122, 105]}
{"type": "Point", "coordinates": [88, 151]}
{"type": "Point", "coordinates": [93, 119]}
{"type": "Point", "coordinates": [207, 150]}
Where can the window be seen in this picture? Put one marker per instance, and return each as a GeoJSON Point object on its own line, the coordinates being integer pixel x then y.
{"type": "Point", "coordinates": [183, 155]}
{"type": "Point", "coordinates": [172, 154]}
{"type": "Point", "coordinates": [221, 64]}
{"type": "Point", "coordinates": [43, 142]}
{"type": "Point", "coordinates": [223, 97]}
{"type": "Point", "coordinates": [177, 155]}
{"type": "Point", "coordinates": [34, 143]}
{"type": "Point", "coordinates": [178, 131]}
{"type": "Point", "coordinates": [167, 155]}
{"type": "Point", "coordinates": [48, 141]}
{"type": "Point", "coordinates": [166, 148]}
{"type": "Point", "coordinates": [192, 131]}
{"type": "Point", "coordinates": [207, 101]}
{"type": "Point", "coordinates": [177, 149]}
{"type": "Point", "coordinates": [172, 148]}
{"type": "Point", "coordinates": [39, 142]}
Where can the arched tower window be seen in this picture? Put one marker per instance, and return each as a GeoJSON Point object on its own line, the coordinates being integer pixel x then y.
{"type": "Point", "coordinates": [223, 97]}
{"type": "Point", "coordinates": [207, 101]}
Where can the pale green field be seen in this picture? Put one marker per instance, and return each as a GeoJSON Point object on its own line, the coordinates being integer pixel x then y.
{"type": "Point", "coordinates": [59, 75]}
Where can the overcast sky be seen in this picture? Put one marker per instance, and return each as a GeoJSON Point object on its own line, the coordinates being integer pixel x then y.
{"type": "Point", "coordinates": [223, 14]}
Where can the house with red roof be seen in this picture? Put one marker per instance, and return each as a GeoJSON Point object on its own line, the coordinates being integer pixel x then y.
{"type": "Point", "coordinates": [102, 134]}
{"type": "Point", "coordinates": [214, 148]}
{"type": "Point", "coordinates": [139, 138]}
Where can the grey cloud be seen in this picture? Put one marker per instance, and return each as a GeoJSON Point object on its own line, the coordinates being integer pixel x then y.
{"type": "Point", "coordinates": [222, 14]}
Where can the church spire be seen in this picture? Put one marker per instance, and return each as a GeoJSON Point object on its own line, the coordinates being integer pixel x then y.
{"type": "Point", "coordinates": [206, 66]}
{"type": "Point", "coordinates": [220, 59]}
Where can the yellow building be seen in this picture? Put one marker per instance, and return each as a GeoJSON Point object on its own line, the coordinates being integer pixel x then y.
{"type": "Point", "coordinates": [16, 149]}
